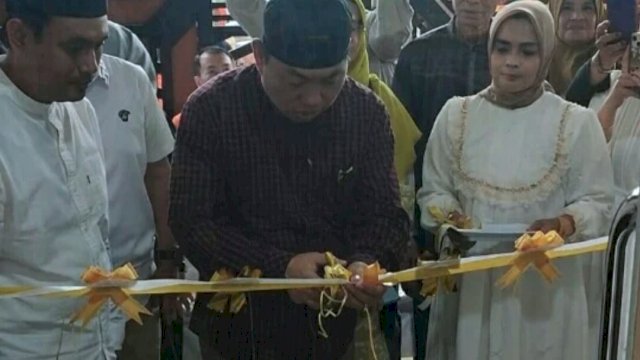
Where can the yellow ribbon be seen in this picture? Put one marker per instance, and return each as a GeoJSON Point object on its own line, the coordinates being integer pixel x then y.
{"type": "Point", "coordinates": [532, 250]}
{"type": "Point", "coordinates": [443, 219]}
{"type": "Point", "coordinates": [120, 285]}
{"type": "Point", "coordinates": [232, 302]}
{"type": "Point", "coordinates": [436, 269]}
{"type": "Point", "coordinates": [332, 298]}
{"type": "Point", "coordinates": [109, 285]}
{"type": "Point", "coordinates": [433, 285]}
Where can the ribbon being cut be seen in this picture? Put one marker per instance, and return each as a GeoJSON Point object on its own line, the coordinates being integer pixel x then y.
{"type": "Point", "coordinates": [120, 285]}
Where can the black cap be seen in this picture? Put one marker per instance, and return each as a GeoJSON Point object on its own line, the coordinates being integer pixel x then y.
{"type": "Point", "coordinates": [63, 8]}
{"type": "Point", "coordinates": [307, 34]}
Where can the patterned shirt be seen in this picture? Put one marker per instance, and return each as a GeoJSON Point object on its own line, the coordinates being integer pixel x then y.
{"type": "Point", "coordinates": [250, 188]}
{"type": "Point", "coordinates": [431, 70]}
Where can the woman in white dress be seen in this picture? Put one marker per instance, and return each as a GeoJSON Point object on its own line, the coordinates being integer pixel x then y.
{"type": "Point", "coordinates": [620, 119]}
{"type": "Point", "coordinates": [517, 154]}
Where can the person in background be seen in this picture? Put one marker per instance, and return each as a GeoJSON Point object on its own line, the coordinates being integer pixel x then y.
{"type": "Point", "coordinates": [594, 76]}
{"type": "Point", "coordinates": [448, 61]}
{"type": "Point", "coordinates": [576, 22]}
{"type": "Point", "coordinates": [614, 96]}
{"type": "Point", "coordinates": [53, 191]}
{"type": "Point", "coordinates": [137, 142]}
{"type": "Point", "coordinates": [208, 63]}
{"type": "Point", "coordinates": [478, 165]}
{"type": "Point", "coordinates": [406, 134]}
{"type": "Point", "coordinates": [124, 44]}
{"type": "Point", "coordinates": [276, 164]}
{"type": "Point", "coordinates": [388, 27]}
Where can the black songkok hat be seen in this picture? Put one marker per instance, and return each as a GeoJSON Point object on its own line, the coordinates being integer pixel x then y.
{"type": "Point", "coordinates": [307, 34]}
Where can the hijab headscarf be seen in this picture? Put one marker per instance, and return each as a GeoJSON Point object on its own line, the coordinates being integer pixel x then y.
{"type": "Point", "coordinates": [542, 21]}
{"type": "Point", "coordinates": [405, 131]}
{"type": "Point", "coordinates": [567, 59]}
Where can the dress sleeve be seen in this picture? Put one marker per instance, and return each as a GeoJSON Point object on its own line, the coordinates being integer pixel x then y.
{"type": "Point", "coordinates": [437, 175]}
{"type": "Point", "coordinates": [589, 189]}
{"type": "Point", "coordinates": [581, 91]}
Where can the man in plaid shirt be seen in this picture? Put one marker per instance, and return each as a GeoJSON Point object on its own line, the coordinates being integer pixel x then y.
{"type": "Point", "coordinates": [276, 164]}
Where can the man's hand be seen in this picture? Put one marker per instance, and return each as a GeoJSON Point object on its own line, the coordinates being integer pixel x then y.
{"type": "Point", "coordinates": [306, 266]}
{"type": "Point", "coordinates": [361, 295]}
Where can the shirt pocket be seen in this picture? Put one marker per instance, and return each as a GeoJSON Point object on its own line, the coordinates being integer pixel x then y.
{"type": "Point", "coordinates": [95, 196]}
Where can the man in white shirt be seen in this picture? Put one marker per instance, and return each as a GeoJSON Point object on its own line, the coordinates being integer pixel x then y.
{"type": "Point", "coordinates": [53, 194]}
{"type": "Point", "coordinates": [388, 28]}
{"type": "Point", "coordinates": [137, 141]}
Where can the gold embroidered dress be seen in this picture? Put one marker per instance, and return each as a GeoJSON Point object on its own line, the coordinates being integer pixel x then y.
{"type": "Point", "coordinates": [502, 166]}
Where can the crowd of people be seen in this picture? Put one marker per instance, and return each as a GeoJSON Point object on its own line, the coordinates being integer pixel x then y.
{"type": "Point", "coordinates": [343, 137]}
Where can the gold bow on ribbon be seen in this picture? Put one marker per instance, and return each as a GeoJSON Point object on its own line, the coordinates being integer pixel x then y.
{"type": "Point", "coordinates": [231, 302]}
{"type": "Point", "coordinates": [439, 216]}
{"type": "Point", "coordinates": [332, 298]}
{"type": "Point", "coordinates": [532, 250]}
{"type": "Point", "coordinates": [110, 285]}
{"type": "Point", "coordinates": [433, 285]}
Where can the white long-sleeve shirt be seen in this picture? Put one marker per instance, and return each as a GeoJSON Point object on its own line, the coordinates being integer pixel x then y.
{"type": "Point", "coordinates": [53, 224]}
{"type": "Point", "coordinates": [388, 29]}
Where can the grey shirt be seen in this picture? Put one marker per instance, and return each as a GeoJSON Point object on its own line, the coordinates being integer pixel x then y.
{"type": "Point", "coordinates": [124, 44]}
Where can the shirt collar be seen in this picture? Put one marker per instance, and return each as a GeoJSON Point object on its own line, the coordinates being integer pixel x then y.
{"type": "Point", "coordinates": [24, 101]}
{"type": "Point", "coordinates": [102, 73]}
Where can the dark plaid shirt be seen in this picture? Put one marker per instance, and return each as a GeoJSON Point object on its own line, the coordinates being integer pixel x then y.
{"type": "Point", "coordinates": [251, 188]}
{"type": "Point", "coordinates": [431, 70]}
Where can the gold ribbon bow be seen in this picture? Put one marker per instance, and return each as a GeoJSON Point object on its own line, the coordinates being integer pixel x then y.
{"type": "Point", "coordinates": [232, 302]}
{"type": "Point", "coordinates": [332, 298]}
{"type": "Point", "coordinates": [110, 285]}
{"type": "Point", "coordinates": [442, 219]}
{"type": "Point", "coordinates": [532, 250]}
{"type": "Point", "coordinates": [433, 285]}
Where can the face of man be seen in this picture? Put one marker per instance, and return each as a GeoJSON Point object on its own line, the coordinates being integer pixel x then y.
{"type": "Point", "coordinates": [473, 17]}
{"type": "Point", "coordinates": [300, 94]}
{"type": "Point", "coordinates": [211, 65]}
{"type": "Point", "coordinates": [62, 61]}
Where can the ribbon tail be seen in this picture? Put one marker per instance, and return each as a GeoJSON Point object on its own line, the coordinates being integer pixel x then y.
{"type": "Point", "coordinates": [130, 306]}
{"type": "Point", "coordinates": [89, 311]}
{"type": "Point", "coordinates": [237, 302]}
{"type": "Point", "coordinates": [429, 287]}
{"type": "Point", "coordinates": [219, 302]}
{"type": "Point", "coordinates": [133, 309]}
{"type": "Point", "coordinates": [548, 271]}
{"type": "Point", "coordinates": [512, 275]}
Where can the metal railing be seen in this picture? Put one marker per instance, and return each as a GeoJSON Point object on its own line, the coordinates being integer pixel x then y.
{"type": "Point", "coordinates": [620, 311]}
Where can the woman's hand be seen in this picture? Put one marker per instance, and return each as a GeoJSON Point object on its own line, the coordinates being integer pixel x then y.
{"type": "Point", "coordinates": [564, 225]}
{"type": "Point", "coordinates": [611, 48]}
{"type": "Point", "coordinates": [628, 85]}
